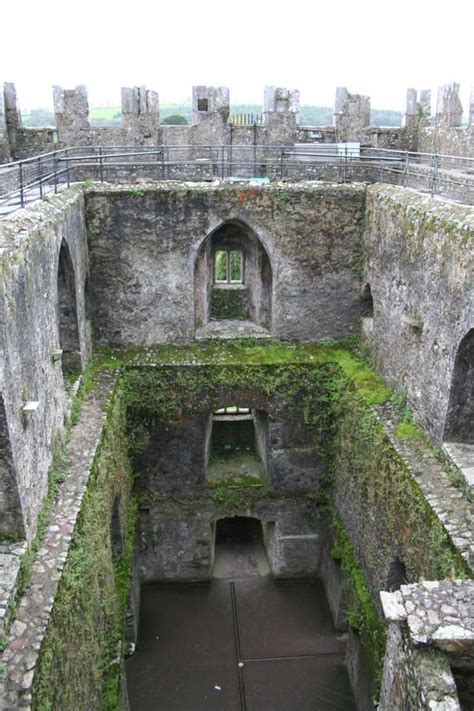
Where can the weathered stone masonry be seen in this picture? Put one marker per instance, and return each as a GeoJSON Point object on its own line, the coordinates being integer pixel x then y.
{"type": "Point", "coordinates": [31, 364]}
{"type": "Point", "coordinates": [420, 261]}
{"type": "Point", "coordinates": [129, 274]}
{"type": "Point", "coordinates": [147, 247]}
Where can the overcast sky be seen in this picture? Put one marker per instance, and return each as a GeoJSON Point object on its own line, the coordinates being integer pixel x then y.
{"type": "Point", "coordinates": [372, 47]}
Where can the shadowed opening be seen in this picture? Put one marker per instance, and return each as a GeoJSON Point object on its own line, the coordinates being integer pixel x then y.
{"type": "Point", "coordinates": [67, 316]}
{"type": "Point", "coordinates": [460, 418]}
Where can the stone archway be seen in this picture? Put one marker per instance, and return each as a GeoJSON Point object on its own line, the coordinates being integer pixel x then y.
{"type": "Point", "coordinates": [233, 277]}
{"type": "Point", "coordinates": [460, 418]}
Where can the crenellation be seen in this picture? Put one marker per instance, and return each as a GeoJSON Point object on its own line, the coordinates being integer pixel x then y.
{"type": "Point", "coordinates": [5, 151]}
{"type": "Point", "coordinates": [448, 107]}
{"type": "Point", "coordinates": [212, 124]}
{"type": "Point", "coordinates": [351, 115]}
{"type": "Point", "coordinates": [140, 111]}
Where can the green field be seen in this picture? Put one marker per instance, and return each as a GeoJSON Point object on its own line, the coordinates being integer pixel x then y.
{"type": "Point", "coordinates": [309, 115]}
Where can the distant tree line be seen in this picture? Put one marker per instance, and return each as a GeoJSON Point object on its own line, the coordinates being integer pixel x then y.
{"type": "Point", "coordinates": [180, 114]}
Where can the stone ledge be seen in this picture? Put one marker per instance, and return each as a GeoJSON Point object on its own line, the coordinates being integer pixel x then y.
{"type": "Point", "coordinates": [438, 613]}
{"type": "Point", "coordinates": [448, 502]}
{"type": "Point", "coordinates": [32, 617]}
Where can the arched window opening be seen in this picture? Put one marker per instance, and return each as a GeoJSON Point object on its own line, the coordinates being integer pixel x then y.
{"type": "Point", "coordinates": [239, 548]}
{"type": "Point", "coordinates": [460, 417]}
{"type": "Point", "coordinates": [237, 450]}
{"type": "Point", "coordinates": [67, 316]}
{"type": "Point", "coordinates": [367, 302]}
{"type": "Point", "coordinates": [233, 278]}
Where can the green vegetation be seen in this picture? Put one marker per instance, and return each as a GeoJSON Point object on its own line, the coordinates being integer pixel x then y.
{"type": "Point", "coordinates": [229, 303]}
{"type": "Point", "coordinates": [362, 614]}
{"type": "Point", "coordinates": [175, 120]}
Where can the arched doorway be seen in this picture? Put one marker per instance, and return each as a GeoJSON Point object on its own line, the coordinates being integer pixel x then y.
{"type": "Point", "coordinates": [239, 548]}
{"type": "Point", "coordinates": [460, 417]}
{"type": "Point", "coordinates": [67, 315]}
{"type": "Point", "coordinates": [233, 277]}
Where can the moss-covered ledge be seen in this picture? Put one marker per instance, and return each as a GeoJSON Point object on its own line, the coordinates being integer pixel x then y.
{"type": "Point", "coordinates": [70, 615]}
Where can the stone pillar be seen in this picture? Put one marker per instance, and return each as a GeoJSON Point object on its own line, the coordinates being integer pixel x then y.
{"type": "Point", "coordinates": [12, 115]}
{"type": "Point", "coordinates": [351, 115]}
{"type": "Point", "coordinates": [5, 155]}
{"type": "Point", "coordinates": [411, 107]}
{"type": "Point", "coordinates": [210, 102]}
{"type": "Point", "coordinates": [71, 107]}
{"type": "Point", "coordinates": [281, 101]}
{"type": "Point", "coordinates": [449, 107]}
{"type": "Point", "coordinates": [141, 112]}
{"type": "Point", "coordinates": [280, 111]}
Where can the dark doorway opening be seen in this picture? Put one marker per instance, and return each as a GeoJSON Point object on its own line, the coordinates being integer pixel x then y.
{"type": "Point", "coordinates": [460, 419]}
{"type": "Point", "coordinates": [67, 316]}
{"type": "Point", "coordinates": [239, 548]}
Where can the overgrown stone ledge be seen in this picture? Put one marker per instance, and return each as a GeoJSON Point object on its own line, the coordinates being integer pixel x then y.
{"type": "Point", "coordinates": [33, 612]}
{"type": "Point", "coordinates": [448, 501]}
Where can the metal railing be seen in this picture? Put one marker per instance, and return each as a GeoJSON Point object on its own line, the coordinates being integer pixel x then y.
{"type": "Point", "coordinates": [246, 119]}
{"type": "Point", "coordinates": [23, 181]}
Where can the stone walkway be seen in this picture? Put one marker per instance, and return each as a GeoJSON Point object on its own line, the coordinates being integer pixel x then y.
{"type": "Point", "coordinates": [32, 616]}
{"type": "Point", "coordinates": [448, 502]}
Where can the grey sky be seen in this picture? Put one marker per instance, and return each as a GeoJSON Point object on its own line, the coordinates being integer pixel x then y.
{"type": "Point", "coordinates": [372, 47]}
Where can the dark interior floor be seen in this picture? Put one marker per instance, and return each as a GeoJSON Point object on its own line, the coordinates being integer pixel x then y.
{"type": "Point", "coordinates": [249, 644]}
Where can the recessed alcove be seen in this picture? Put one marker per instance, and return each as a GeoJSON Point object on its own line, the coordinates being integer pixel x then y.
{"type": "Point", "coordinates": [67, 316]}
{"type": "Point", "coordinates": [237, 450]}
{"type": "Point", "coordinates": [233, 279]}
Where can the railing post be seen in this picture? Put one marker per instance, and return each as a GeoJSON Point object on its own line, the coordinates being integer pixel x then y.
{"type": "Point", "coordinates": [405, 174]}
{"type": "Point", "coordinates": [66, 155]}
{"type": "Point", "coordinates": [281, 163]}
{"type": "Point", "coordinates": [55, 172]}
{"type": "Point", "coordinates": [101, 165]}
{"type": "Point", "coordinates": [40, 175]}
{"type": "Point", "coordinates": [434, 173]}
{"type": "Point", "coordinates": [21, 184]}
{"type": "Point", "coordinates": [162, 163]}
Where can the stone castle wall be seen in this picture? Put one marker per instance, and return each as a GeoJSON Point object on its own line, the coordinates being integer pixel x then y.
{"type": "Point", "coordinates": [32, 386]}
{"type": "Point", "coordinates": [419, 267]}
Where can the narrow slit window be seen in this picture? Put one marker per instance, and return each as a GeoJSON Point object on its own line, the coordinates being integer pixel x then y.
{"type": "Point", "coordinates": [229, 267]}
